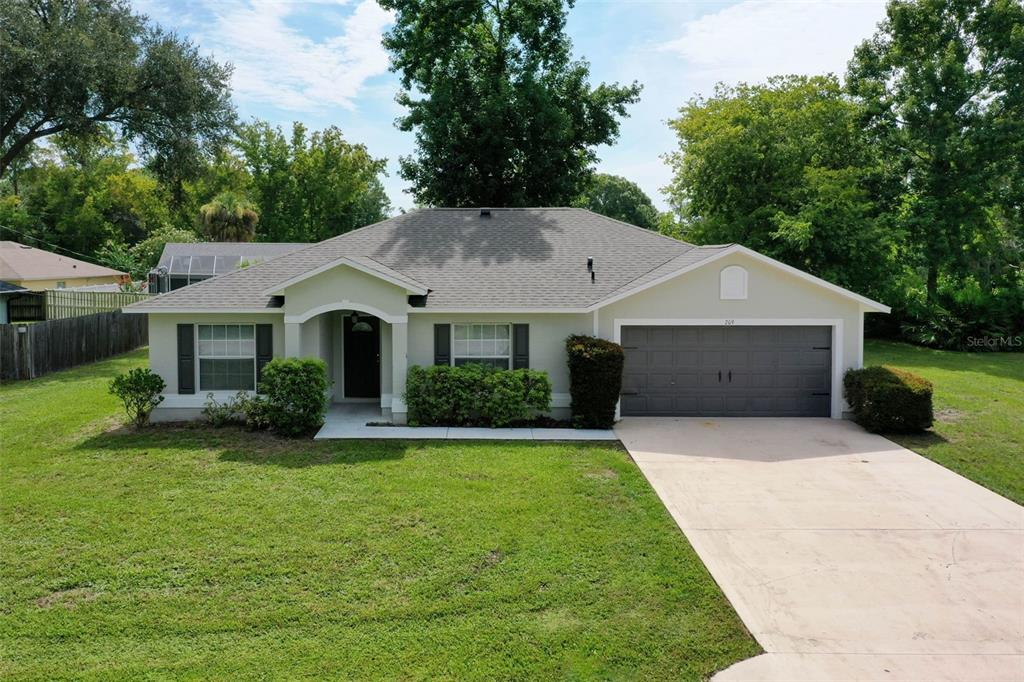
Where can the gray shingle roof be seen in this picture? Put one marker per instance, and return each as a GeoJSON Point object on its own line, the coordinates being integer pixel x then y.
{"type": "Point", "coordinates": [517, 258]}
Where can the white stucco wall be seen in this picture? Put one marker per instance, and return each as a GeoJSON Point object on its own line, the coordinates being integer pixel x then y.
{"type": "Point", "coordinates": [344, 287]}
{"type": "Point", "coordinates": [163, 355]}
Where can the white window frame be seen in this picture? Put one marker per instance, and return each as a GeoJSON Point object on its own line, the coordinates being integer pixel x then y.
{"type": "Point", "coordinates": [200, 358]}
{"type": "Point", "coordinates": [470, 358]}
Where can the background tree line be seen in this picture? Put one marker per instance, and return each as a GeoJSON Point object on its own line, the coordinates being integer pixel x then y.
{"type": "Point", "coordinates": [904, 182]}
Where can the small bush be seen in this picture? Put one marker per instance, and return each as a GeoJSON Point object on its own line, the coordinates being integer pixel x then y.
{"type": "Point", "coordinates": [456, 396]}
{"type": "Point", "coordinates": [889, 400]}
{"type": "Point", "coordinates": [595, 376]}
{"type": "Point", "coordinates": [442, 394]}
{"type": "Point", "coordinates": [139, 389]}
{"type": "Point", "coordinates": [294, 396]}
{"type": "Point", "coordinates": [234, 410]}
{"type": "Point", "coordinates": [509, 395]}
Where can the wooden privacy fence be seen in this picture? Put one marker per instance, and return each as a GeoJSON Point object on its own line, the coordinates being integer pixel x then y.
{"type": "Point", "coordinates": [28, 351]}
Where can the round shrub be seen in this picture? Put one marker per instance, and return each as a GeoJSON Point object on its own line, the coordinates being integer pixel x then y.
{"type": "Point", "coordinates": [294, 395]}
{"type": "Point", "coordinates": [139, 389]}
{"type": "Point", "coordinates": [889, 400]}
{"type": "Point", "coordinates": [595, 376]}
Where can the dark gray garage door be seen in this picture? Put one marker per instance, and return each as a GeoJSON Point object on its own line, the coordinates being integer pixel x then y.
{"type": "Point", "coordinates": [727, 371]}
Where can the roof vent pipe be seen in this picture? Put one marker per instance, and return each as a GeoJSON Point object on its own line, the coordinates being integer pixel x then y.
{"type": "Point", "coordinates": [485, 213]}
{"type": "Point", "coordinates": [590, 263]}
{"type": "Point", "coordinates": [593, 275]}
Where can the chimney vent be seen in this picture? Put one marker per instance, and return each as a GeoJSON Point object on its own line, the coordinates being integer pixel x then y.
{"type": "Point", "coordinates": [485, 213]}
{"type": "Point", "coordinates": [590, 263]}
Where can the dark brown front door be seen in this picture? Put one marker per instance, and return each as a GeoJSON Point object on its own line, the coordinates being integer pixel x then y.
{"type": "Point", "coordinates": [362, 358]}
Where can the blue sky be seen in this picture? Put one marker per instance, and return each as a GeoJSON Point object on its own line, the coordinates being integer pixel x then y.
{"type": "Point", "coordinates": [320, 61]}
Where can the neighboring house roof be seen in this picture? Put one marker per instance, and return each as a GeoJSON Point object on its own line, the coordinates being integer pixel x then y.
{"type": "Point", "coordinates": [8, 288]}
{"type": "Point", "coordinates": [215, 258]}
{"type": "Point", "coordinates": [516, 259]}
{"type": "Point", "coordinates": [27, 263]}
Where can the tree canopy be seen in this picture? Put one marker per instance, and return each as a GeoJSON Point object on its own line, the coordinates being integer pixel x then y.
{"type": "Point", "coordinates": [73, 65]}
{"type": "Point", "coordinates": [942, 88]}
{"type": "Point", "coordinates": [616, 197]}
{"type": "Point", "coordinates": [310, 187]}
{"type": "Point", "coordinates": [785, 168]}
{"type": "Point", "coordinates": [502, 114]}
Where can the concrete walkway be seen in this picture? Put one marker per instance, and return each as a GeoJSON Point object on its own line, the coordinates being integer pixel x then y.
{"type": "Point", "coordinates": [847, 556]}
{"type": "Point", "coordinates": [348, 421]}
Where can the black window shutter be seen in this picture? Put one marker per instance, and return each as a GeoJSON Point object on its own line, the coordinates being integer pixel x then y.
{"type": "Point", "coordinates": [520, 346]}
{"type": "Point", "coordinates": [186, 359]}
{"type": "Point", "coordinates": [442, 344]}
{"type": "Point", "coordinates": [264, 349]}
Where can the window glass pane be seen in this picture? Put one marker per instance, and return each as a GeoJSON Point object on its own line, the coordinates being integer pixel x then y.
{"type": "Point", "coordinates": [231, 331]}
{"type": "Point", "coordinates": [205, 332]}
{"type": "Point", "coordinates": [180, 265]}
{"type": "Point", "coordinates": [501, 331]}
{"type": "Point", "coordinates": [488, 331]}
{"type": "Point", "coordinates": [460, 332]}
{"type": "Point", "coordinates": [246, 331]}
{"type": "Point", "coordinates": [501, 347]}
{"type": "Point", "coordinates": [461, 347]}
{"type": "Point", "coordinates": [226, 374]}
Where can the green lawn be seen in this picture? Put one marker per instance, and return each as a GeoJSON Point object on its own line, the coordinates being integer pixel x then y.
{"type": "Point", "coordinates": [979, 410]}
{"type": "Point", "coordinates": [188, 552]}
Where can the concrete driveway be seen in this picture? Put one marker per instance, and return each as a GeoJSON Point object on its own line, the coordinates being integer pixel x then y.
{"type": "Point", "coordinates": [848, 557]}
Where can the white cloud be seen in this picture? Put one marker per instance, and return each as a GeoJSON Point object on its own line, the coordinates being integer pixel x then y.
{"type": "Point", "coordinates": [276, 64]}
{"type": "Point", "coordinates": [755, 39]}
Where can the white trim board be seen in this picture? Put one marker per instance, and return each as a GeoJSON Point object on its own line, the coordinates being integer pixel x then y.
{"type": "Point", "coordinates": [734, 249]}
{"type": "Point", "coordinates": [344, 305]}
{"type": "Point", "coordinates": [836, 389]}
{"type": "Point", "coordinates": [205, 311]}
{"type": "Point", "coordinates": [409, 285]}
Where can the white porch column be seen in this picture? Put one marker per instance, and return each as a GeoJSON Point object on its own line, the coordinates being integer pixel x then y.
{"type": "Point", "coordinates": [292, 339]}
{"type": "Point", "coordinates": [399, 368]}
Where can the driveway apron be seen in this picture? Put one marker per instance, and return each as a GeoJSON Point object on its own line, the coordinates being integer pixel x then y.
{"type": "Point", "coordinates": [847, 556]}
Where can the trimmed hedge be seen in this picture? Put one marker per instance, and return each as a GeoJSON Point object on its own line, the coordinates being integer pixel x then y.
{"type": "Point", "coordinates": [294, 396]}
{"type": "Point", "coordinates": [595, 375]}
{"type": "Point", "coordinates": [441, 395]}
{"type": "Point", "coordinates": [889, 400]}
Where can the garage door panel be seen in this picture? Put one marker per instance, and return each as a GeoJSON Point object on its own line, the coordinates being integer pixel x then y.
{"type": "Point", "coordinates": [663, 336]}
{"type": "Point", "coordinates": [775, 371]}
{"type": "Point", "coordinates": [687, 358]}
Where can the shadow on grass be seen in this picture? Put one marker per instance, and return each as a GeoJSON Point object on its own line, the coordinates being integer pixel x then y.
{"type": "Point", "coordinates": [304, 454]}
{"type": "Point", "coordinates": [916, 440]}
{"type": "Point", "coordinates": [234, 444]}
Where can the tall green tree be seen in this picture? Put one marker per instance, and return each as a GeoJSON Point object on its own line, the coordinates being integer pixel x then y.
{"type": "Point", "coordinates": [68, 66]}
{"type": "Point", "coordinates": [502, 114]}
{"type": "Point", "coordinates": [942, 84]}
{"type": "Point", "coordinates": [309, 187]}
{"type": "Point", "coordinates": [84, 190]}
{"type": "Point", "coordinates": [616, 197]}
{"type": "Point", "coordinates": [785, 168]}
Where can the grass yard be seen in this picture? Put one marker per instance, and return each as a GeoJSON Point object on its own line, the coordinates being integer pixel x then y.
{"type": "Point", "coordinates": [189, 552]}
{"type": "Point", "coordinates": [979, 410]}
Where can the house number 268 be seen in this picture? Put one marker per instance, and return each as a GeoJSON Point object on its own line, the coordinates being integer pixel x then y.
{"type": "Point", "coordinates": [729, 323]}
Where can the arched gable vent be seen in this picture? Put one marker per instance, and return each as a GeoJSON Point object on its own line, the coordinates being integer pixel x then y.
{"type": "Point", "coordinates": [733, 283]}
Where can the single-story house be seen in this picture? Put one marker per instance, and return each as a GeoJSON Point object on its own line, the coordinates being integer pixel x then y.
{"type": "Point", "coordinates": [39, 270]}
{"type": "Point", "coordinates": [708, 330]}
{"type": "Point", "coordinates": [183, 263]}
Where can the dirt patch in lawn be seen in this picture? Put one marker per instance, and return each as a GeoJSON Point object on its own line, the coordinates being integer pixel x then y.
{"type": "Point", "coordinates": [69, 599]}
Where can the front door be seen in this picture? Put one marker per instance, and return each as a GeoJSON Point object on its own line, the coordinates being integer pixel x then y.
{"type": "Point", "coordinates": [362, 357]}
